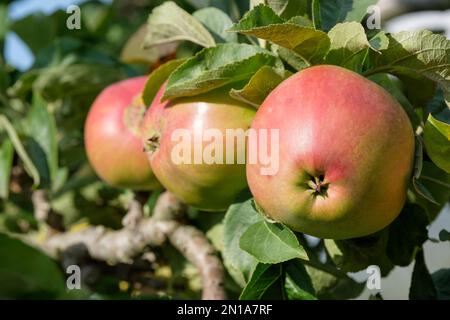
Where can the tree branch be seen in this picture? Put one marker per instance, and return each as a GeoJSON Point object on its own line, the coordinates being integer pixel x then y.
{"type": "Point", "coordinates": [125, 244]}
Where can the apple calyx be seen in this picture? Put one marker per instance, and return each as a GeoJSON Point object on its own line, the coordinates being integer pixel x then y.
{"type": "Point", "coordinates": [152, 143]}
{"type": "Point", "coordinates": [318, 186]}
{"type": "Point", "coordinates": [134, 114]}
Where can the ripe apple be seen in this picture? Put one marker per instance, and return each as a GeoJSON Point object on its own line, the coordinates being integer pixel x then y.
{"type": "Point", "coordinates": [112, 138]}
{"type": "Point", "coordinates": [346, 153]}
{"type": "Point", "coordinates": [206, 185]}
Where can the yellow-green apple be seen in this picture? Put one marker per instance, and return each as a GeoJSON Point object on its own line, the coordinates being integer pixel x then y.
{"type": "Point", "coordinates": [112, 137]}
{"type": "Point", "coordinates": [346, 153]}
{"type": "Point", "coordinates": [186, 141]}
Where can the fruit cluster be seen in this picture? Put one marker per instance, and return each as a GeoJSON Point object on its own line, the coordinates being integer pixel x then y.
{"type": "Point", "coordinates": [335, 127]}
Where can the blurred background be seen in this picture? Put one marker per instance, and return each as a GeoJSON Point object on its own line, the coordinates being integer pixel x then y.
{"type": "Point", "coordinates": [33, 36]}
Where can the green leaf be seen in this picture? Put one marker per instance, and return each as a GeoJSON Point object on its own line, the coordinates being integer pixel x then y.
{"type": "Point", "coordinates": [406, 234]}
{"type": "Point", "coordinates": [217, 22]}
{"type": "Point", "coordinates": [438, 108]}
{"type": "Point", "coordinates": [6, 161]}
{"type": "Point", "coordinates": [327, 13]}
{"type": "Point", "coordinates": [18, 146]}
{"type": "Point", "coordinates": [392, 86]}
{"type": "Point", "coordinates": [357, 254]}
{"type": "Point", "coordinates": [423, 191]}
{"type": "Point", "coordinates": [349, 45]}
{"type": "Point", "coordinates": [328, 286]}
{"type": "Point", "coordinates": [437, 142]}
{"type": "Point", "coordinates": [441, 280]}
{"type": "Point", "coordinates": [27, 273]}
{"type": "Point", "coordinates": [259, 86]}
{"type": "Point", "coordinates": [417, 55]}
{"type": "Point", "coordinates": [444, 235]}
{"type": "Point", "coordinates": [285, 8]}
{"type": "Point", "coordinates": [422, 285]}
{"type": "Point", "coordinates": [418, 157]}
{"type": "Point", "coordinates": [263, 277]}
{"type": "Point", "coordinates": [437, 183]}
{"type": "Point", "coordinates": [134, 53]}
{"type": "Point", "coordinates": [292, 59]}
{"type": "Point", "coordinates": [271, 243]}
{"type": "Point", "coordinates": [4, 21]}
{"type": "Point", "coordinates": [216, 67]}
{"type": "Point", "coordinates": [238, 218]}
{"type": "Point", "coordinates": [306, 42]}
{"type": "Point", "coordinates": [63, 81]}
{"type": "Point", "coordinates": [169, 23]}
{"type": "Point", "coordinates": [26, 28]}
{"type": "Point", "coordinates": [41, 142]}
{"type": "Point", "coordinates": [379, 40]}
{"type": "Point", "coordinates": [157, 79]}
{"type": "Point", "coordinates": [297, 282]}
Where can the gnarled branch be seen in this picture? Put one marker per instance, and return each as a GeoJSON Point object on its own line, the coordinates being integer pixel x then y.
{"type": "Point", "coordinates": [125, 244]}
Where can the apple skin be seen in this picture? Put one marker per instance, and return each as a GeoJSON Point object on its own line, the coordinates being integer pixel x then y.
{"type": "Point", "coordinates": [347, 133]}
{"type": "Point", "coordinates": [208, 187]}
{"type": "Point", "coordinates": [112, 136]}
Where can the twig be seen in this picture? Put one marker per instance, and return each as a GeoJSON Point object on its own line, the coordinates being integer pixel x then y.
{"type": "Point", "coordinates": [125, 244]}
{"type": "Point", "coordinates": [41, 205]}
{"type": "Point", "coordinates": [43, 211]}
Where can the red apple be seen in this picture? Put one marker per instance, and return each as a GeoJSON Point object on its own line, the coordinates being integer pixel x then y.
{"type": "Point", "coordinates": [346, 153]}
{"type": "Point", "coordinates": [112, 137]}
{"type": "Point", "coordinates": [201, 184]}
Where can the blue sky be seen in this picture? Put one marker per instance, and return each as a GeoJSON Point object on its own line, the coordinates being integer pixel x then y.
{"type": "Point", "coordinates": [16, 52]}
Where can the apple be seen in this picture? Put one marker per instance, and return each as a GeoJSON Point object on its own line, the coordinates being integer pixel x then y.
{"type": "Point", "coordinates": [346, 150]}
{"type": "Point", "coordinates": [112, 136]}
{"type": "Point", "coordinates": [196, 180]}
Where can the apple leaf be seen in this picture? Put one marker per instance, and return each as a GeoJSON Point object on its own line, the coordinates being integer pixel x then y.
{"type": "Point", "coordinates": [294, 60]}
{"type": "Point", "coordinates": [169, 23]}
{"type": "Point", "coordinates": [21, 152]}
{"type": "Point", "coordinates": [391, 86]}
{"type": "Point", "coordinates": [263, 277]}
{"type": "Point", "coordinates": [25, 28]}
{"type": "Point", "coordinates": [438, 108]}
{"type": "Point", "coordinates": [238, 218]}
{"type": "Point", "coordinates": [217, 22]}
{"type": "Point", "coordinates": [437, 183]}
{"type": "Point", "coordinates": [441, 280]}
{"type": "Point", "coordinates": [40, 141]}
{"type": "Point", "coordinates": [437, 142]}
{"type": "Point", "coordinates": [6, 161]}
{"type": "Point", "coordinates": [357, 254]}
{"type": "Point", "coordinates": [328, 286]}
{"type": "Point", "coordinates": [271, 243]}
{"type": "Point", "coordinates": [134, 52]}
{"type": "Point", "coordinates": [63, 80]}
{"type": "Point", "coordinates": [27, 273]}
{"type": "Point", "coordinates": [418, 157]}
{"type": "Point", "coordinates": [327, 13]}
{"type": "Point", "coordinates": [157, 78]}
{"type": "Point", "coordinates": [423, 191]}
{"type": "Point", "coordinates": [259, 86]}
{"type": "Point", "coordinates": [417, 55]}
{"type": "Point", "coordinates": [297, 283]}
{"type": "Point", "coordinates": [285, 8]}
{"type": "Point", "coordinates": [379, 40]}
{"type": "Point", "coordinates": [422, 285]}
{"type": "Point", "coordinates": [262, 22]}
{"type": "Point", "coordinates": [406, 234]}
{"type": "Point", "coordinates": [444, 235]}
{"type": "Point", "coordinates": [215, 67]}
{"type": "Point", "coordinates": [348, 46]}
